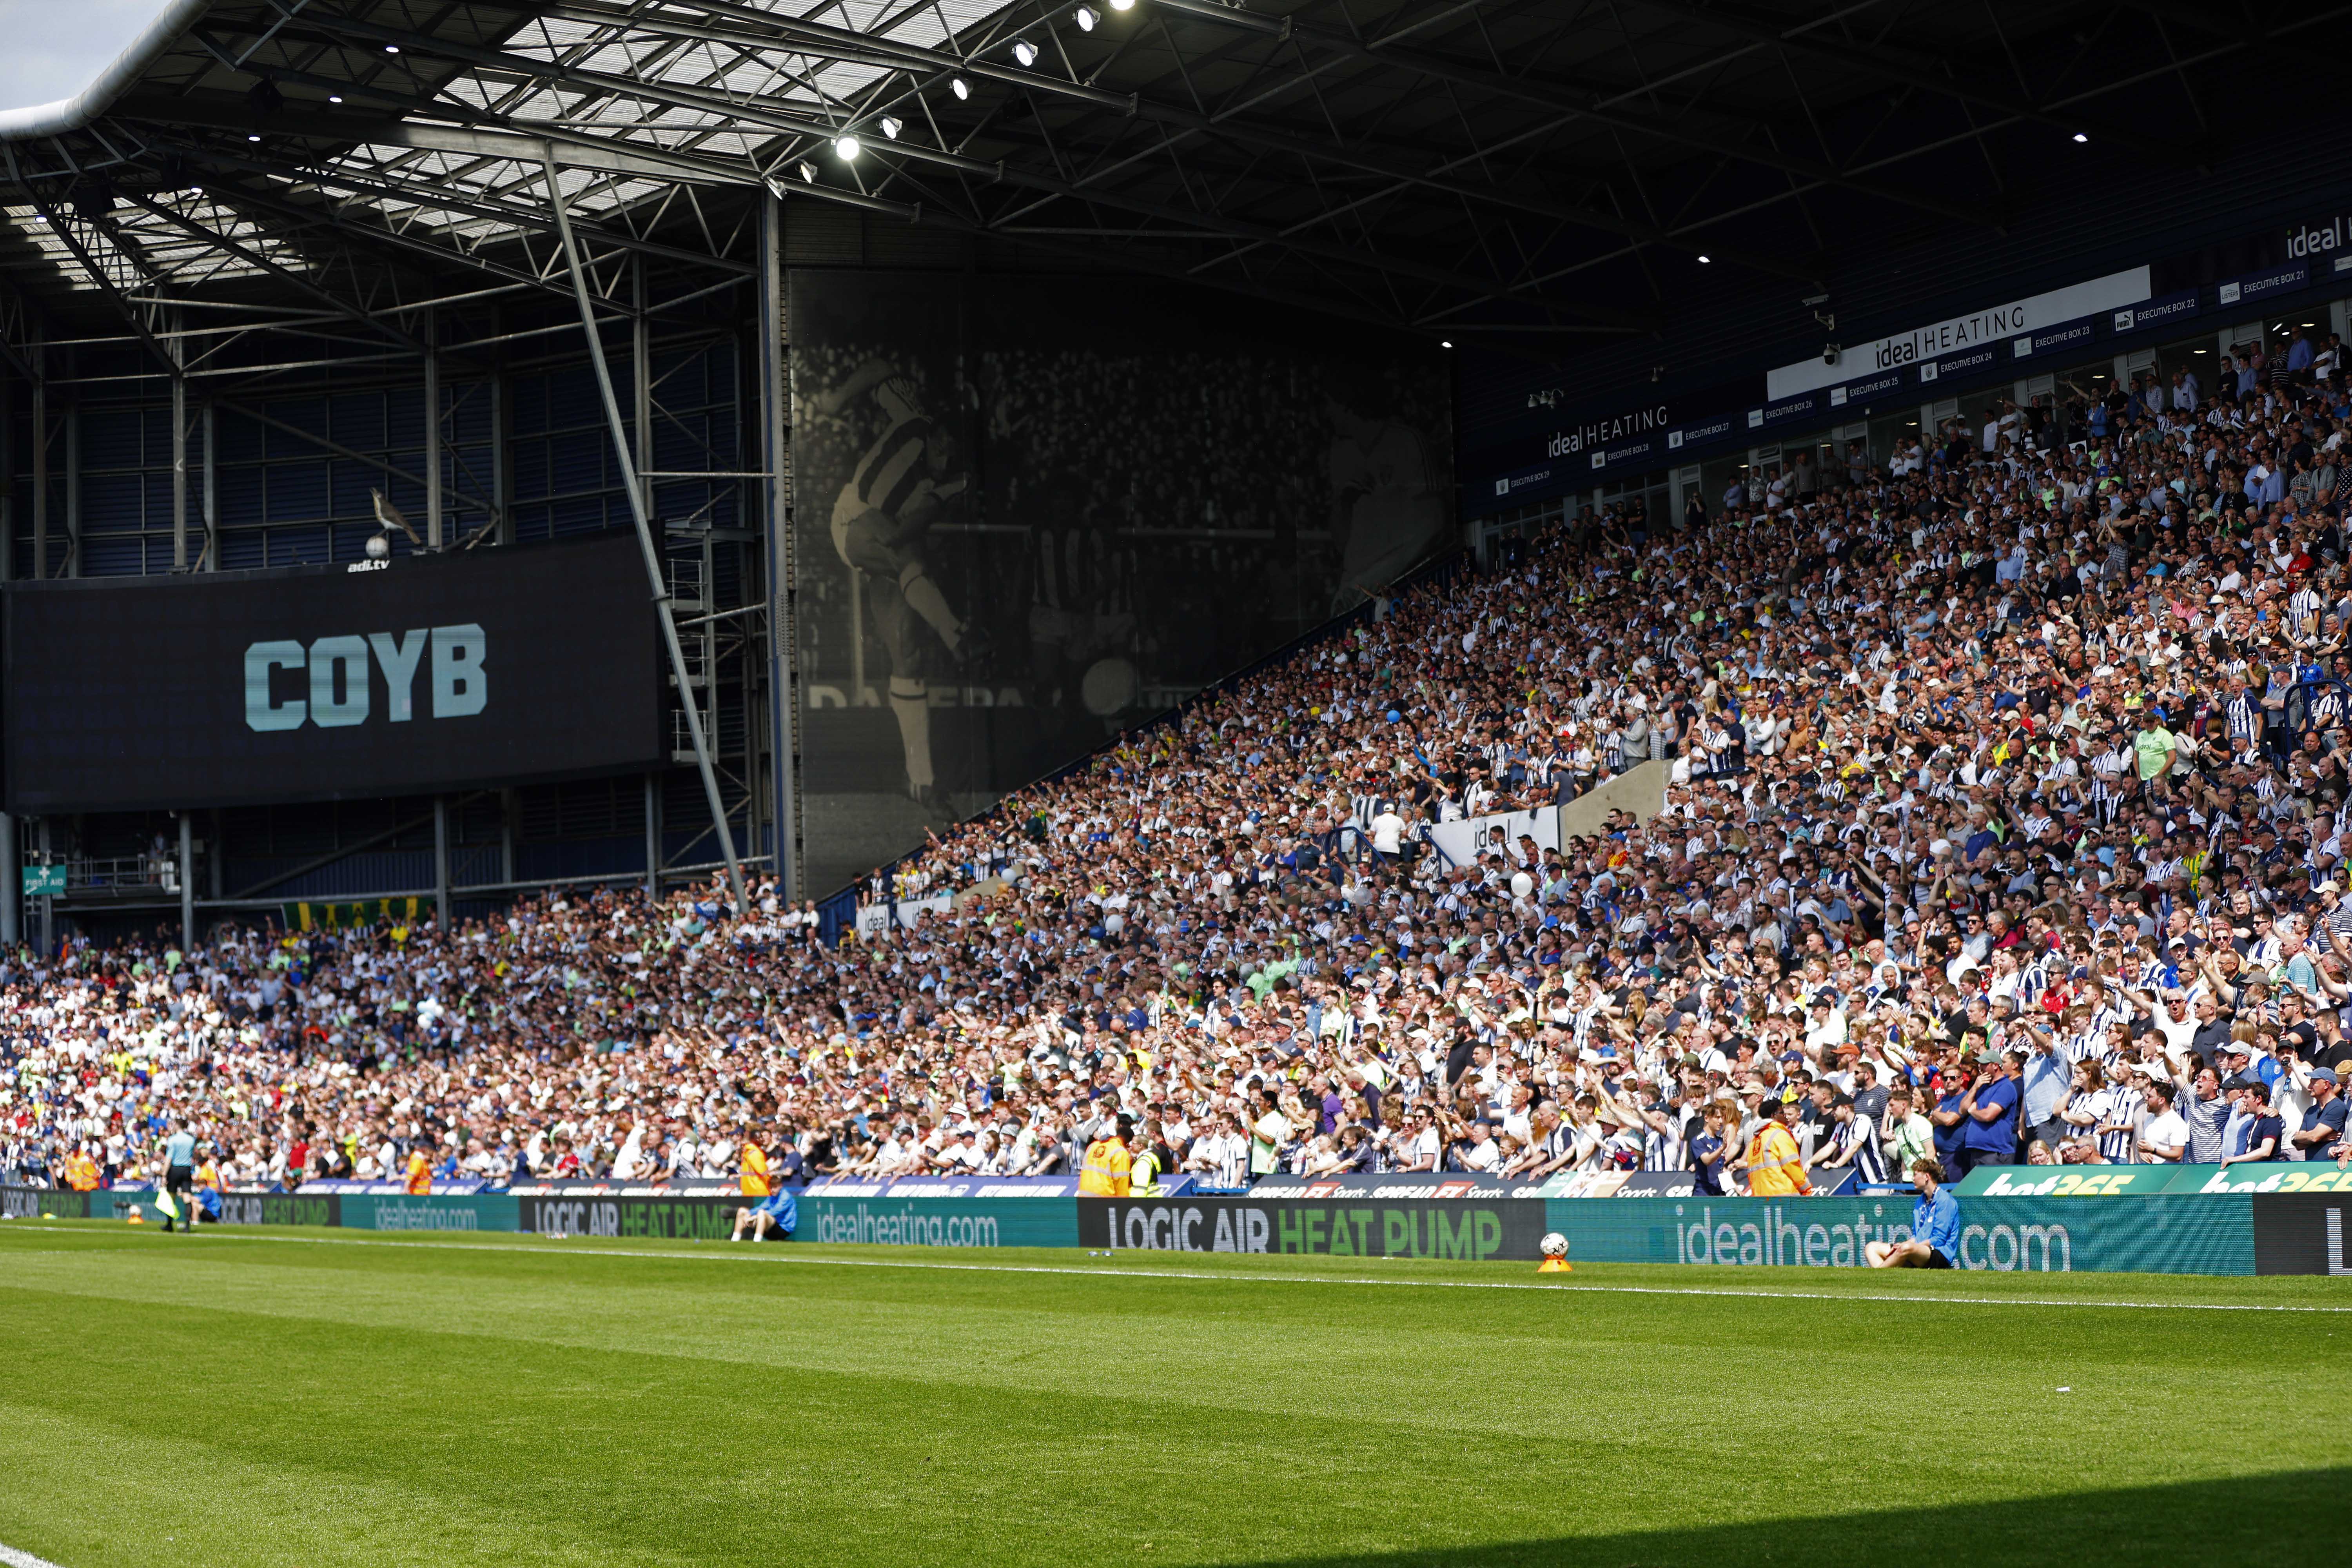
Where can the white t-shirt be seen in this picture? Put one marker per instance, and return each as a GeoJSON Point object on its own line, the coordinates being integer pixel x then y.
{"type": "Point", "coordinates": [2166, 1128]}
{"type": "Point", "coordinates": [1388, 832]}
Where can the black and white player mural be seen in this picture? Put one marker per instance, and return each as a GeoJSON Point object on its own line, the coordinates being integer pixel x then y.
{"type": "Point", "coordinates": [1032, 512]}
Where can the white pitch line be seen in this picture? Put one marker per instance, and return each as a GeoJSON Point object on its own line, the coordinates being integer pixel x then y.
{"type": "Point", "coordinates": [565, 1249]}
{"type": "Point", "coordinates": [16, 1559]}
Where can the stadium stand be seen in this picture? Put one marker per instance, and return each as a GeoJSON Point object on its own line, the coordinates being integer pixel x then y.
{"type": "Point", "coordinates": [2007, 818]}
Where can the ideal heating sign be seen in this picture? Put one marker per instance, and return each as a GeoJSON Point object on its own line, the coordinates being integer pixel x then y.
{"type": "Point", "coordinates": [328, 683]}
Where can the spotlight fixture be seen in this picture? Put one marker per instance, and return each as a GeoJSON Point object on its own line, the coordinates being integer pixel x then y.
{"type": "Point", "coordinates": [1704, 258]}
{"type": "Point", "coordinates": [891, 126]}
{"type": "Point", "coordinates": [392, 49]}
{"type": "Point", "coordinates": [253, 138]}
{"type": "Point", "coordinates": [1122, 4]}
{"type": "Point", "coordinates": [2080, 137]}
{"type": "Point", "coordinates": [845, 148]}
{"type": "Point", "coordinates": [1086, 18]}
{"type": "Point", "coordinates": [808, 173]}
{"type": "Point", "coordinates": [334, 98]}
{"type": "Point", "coordinates": [1445, 343]}
{"type": "Point", "coordinates": [1024, 51]}
{"type": "Point", "coordinates": [961, 88]}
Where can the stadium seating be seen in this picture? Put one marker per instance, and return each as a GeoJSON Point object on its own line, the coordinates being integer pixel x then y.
{"type": "Point", "coordinates": [2009, 779]}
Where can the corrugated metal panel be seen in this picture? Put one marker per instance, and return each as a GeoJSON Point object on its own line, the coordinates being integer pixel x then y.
{"type": "Point", "coordinates": [372, 871]}
{"type": "Point", "coordinates": [114, 503]}
{"type": "Point", "coordinates": [115, 555]}
{"type": "Point", "coordinates": [583, 858]}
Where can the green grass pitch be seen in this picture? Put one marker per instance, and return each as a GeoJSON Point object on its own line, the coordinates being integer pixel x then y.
{"type": "Point", "coordinates": [312, 1398]}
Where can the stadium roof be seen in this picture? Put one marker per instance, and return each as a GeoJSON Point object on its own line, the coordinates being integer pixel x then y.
{"type": "Point", "coordinates": [1547, 172]}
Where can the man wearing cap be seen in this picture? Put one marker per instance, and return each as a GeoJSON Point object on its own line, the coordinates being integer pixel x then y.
{"type": "Point", "coordinates": [2324, 1123]}
{"type": "Point", "coordinates": [1935, 1226]}
{"type": "Point", "coordinates": [1988, 1133]}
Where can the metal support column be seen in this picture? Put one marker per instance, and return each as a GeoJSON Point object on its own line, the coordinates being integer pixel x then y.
{"type": "Point", "coordinates": [775, 460]}
{"type": "Point", "coordinates": [7, 480]}
{"type": "Point", "coordinates": [209, 558]}
{"type": "Point", "coordinates": [179, 452]}
{"type": "Point", "coordinates": [507, 802]}
{"type": "Point", "coordinates": [441, 862]}
{"type": "Point", "coordinates": [433, 524]}
{"type": "Point", "coordinates": [40, 462]}
{"type": "Point", "coordinates": [654, 570]}
{"type": "Point", "coordinates": [653, 838]}
{"type": "Point", "coordinates": [501, 460]}
{"type": "Point", "coordinates": [187, 883]}
{"type": "Point", "coordinates": [641, 372]}
{"type": "Point", "coordinates": [72, 567]}
{"type": "Point", "coordinates": [49, 926]}
{"type": "Point", "coordinates": [12, 884]}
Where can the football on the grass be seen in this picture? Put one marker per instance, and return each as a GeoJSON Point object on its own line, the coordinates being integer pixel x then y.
{"type": "Point", "coordinates": [1555, 1244]}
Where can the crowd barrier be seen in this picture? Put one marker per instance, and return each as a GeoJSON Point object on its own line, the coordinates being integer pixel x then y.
{"type": "Point", "coordinates": [2274, 1219]}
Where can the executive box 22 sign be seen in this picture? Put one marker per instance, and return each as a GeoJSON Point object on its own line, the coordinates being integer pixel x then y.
{"type": "Point", "coordinates": [492, 666]}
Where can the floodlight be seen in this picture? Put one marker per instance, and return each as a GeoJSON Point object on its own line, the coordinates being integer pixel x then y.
{"type": "Point", "coordinates": [1024, 51]}
{"type": "Point", "coordinates": [963, 87]}
{"type": "Point", "coordinates": [845, 147]}
{"type": "Point", "coordinates": [891, 126]}
{"type": "Point", "coordinates": [808, 173]}
{"type": "Point", "coordinates": [1122, 4]}
{"type": "Point", "coordinates": [2080, 137]}
{"type": "Point", "coordinates": [1086, 18]}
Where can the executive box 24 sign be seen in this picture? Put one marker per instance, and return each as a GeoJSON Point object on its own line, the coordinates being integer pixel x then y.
{"type": "Point", "coordinates": [494, 666]}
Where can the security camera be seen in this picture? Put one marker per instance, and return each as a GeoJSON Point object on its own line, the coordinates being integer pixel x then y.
{"type": "Point", "coordinates": [1829, 353]}
{"type": "Point", "coordinates": [1817, 299]}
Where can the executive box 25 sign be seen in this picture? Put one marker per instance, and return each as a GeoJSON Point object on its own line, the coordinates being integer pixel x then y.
{"type": "Point", "coordinates": [494, 666]}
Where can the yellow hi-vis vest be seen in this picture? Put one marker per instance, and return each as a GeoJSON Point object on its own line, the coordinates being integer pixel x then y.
{"type": "Point", "coordinates": [1104, 1175]}
{"type": "Point", "coordinates": [1144, 1176]}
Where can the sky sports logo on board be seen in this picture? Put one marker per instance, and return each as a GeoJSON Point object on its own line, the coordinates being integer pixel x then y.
{"type": "Point", "coordinates": [328, 683]}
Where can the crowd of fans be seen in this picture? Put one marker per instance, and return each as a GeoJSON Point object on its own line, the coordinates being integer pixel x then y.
{"type": "Point", "coordinates": [2006, 820]}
